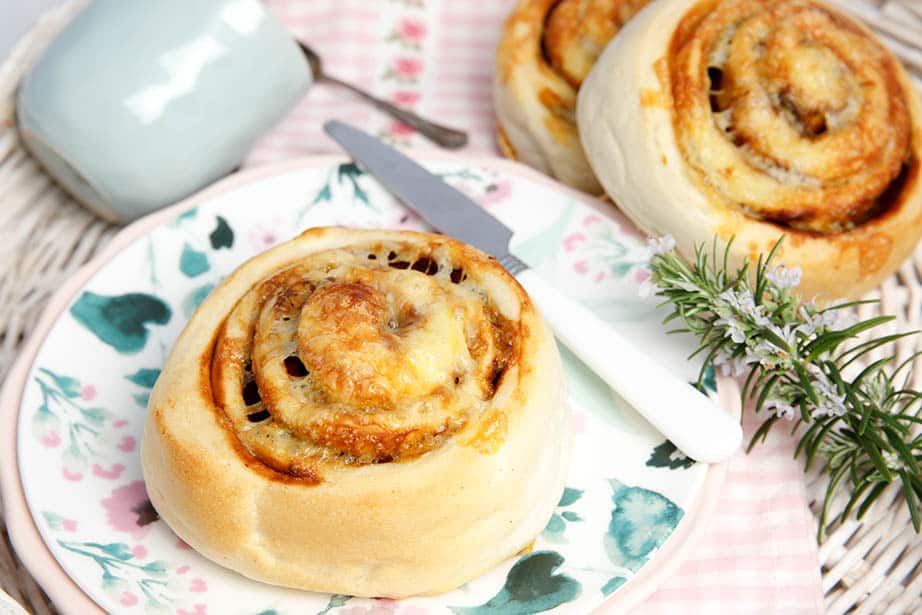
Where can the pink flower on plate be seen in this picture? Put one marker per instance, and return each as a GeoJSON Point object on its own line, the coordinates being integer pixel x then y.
{"type": "Point", "coordinates": [126, 444]}
{"type": "Point", "coordinates": [111, 473]}
{"type": "Point", "coordinates": [408, 68]}
{"type": "Point", "coordinates": [262, 238]}
{"type": "Point", "coordinates": [198, 609]}
{"type": "Point", "coordinates": [571, 242]}
{"type": "Point", "coordinates": [412, 29]}
{"type": "Point", "coordinates": [128, 599]}
{"type": "Point", "coordinates": [69, 525]}
{"type": "Point", "coordinates": [128, 509]}
{"type": "Point", "coordinates": [88, 392]}
{"type": "Point", "coordinates": [198, 585]}
{"type": "Point", "coordinates": [139, 551]}
{"type": "Point", "coordinates": [51, 439]}
{"type": "Point", "coordinates": [399, 130]}
{"type": "Point", "coordinates": [73, 476]}
{"type": "Point", "coordinates": [406, 98]}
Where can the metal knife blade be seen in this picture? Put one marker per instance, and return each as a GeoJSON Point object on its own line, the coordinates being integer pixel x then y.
{"type": "Point", "coordinates": [444, 207]}
{"type": "Point", "coordinates": [694, 423]}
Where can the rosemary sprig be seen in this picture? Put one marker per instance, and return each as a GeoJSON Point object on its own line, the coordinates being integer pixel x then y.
{"type": "Point", "coordinates": [794, 356]}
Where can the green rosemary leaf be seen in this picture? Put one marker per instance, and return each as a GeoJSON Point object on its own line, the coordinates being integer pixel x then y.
{"type": "Point", "coordinates": [906, 457]}
{"type": "Point", "coordinates": [870, 498]}
{"type": "Point", "coordinates": [911, 500]}
{"type": "Point", "coordinates": [823, 344]}
{"type": "Point", "coordinates": [862, 486]}
{"type": "Point", "coordinates": [808, 389]}
{"type": "Point", "coordinates": [908, 361]}
{"type": "Point", "coordinates": [793, 357]}
{"type": "Point", "coordinates": [766, 391]}
{"type": "Point", "coordinates": [762, 432]}
{"type": "Point", "coordinates": [819, 439]}
{"type": "Point", "coordinates": [862, 349]}
{"type": "Point", "coordinates": [834, 481]}
{"type": "Point", "coordinates": [877, 459]}
{"type": "Point", "coordinates": [870, 323]}
{"type": "Point", "coordinates": [847, 305]}
{"type": "Point", "coordinates": [750, 378]}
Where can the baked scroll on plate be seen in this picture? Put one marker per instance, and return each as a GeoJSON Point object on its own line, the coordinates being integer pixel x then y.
{"type": "Point", "coordinates": [631, 504]}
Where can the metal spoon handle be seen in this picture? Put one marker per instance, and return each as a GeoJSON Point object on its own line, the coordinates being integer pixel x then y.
{"type": "Point", "coordinates": [441, 135]}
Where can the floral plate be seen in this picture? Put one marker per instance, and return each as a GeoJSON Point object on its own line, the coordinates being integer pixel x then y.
{"type": "Point", "coordinates": [74, 405]}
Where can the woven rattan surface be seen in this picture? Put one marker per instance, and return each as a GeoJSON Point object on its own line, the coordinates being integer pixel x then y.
{"type": "Point", "coordinates": [869, 566]}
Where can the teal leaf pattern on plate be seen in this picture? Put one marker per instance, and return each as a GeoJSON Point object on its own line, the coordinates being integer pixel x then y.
{"type": "Point", "coordinates": [144, 377]}
{"type": "Point", "coordinates": [351, 172]}
{"type": "Point", "coordinates": [222, 236]}
{"type": "Point", "coordinates": [346, 174]}
{"type": "Point", "coordinates": [641, 522]}
{"type": "Point", "coordinates": [67, 386]}
{"type": "Point", "coordinates": [544, 245]}
{"type": "Point", "coordinates": [531, 587]}
{"type": "Point", "coordinates": [324, 194]}
{"type": "Point", "coordinates": [124, 576]}
{"type": "Point", "coordinates": [612, 584]}
{"type": "Point", "coordinates": [557, 525]}
{"type": "Point", "coordinates": [142, 399]}
{"type": "Point", "coordinates": [195, 298]}
{"type": "Point", "coordinates": [193, 262]}
{"type": "Point", "coordinates": [75, 433]}
{"type": "Point", "coordinates": [63, 421]}
{"type": "Point", "coordinates": [187, 215]}
{"type": "Point", "coordinates": [120, 321]}
{"type": "Point", "coordinates": [336, 601]}
{"type": "Point", "coordinates": [129, 577]}
{"type": "Point", "coordinates": [666, 455]}
{"type": "Point", "coordinates": [570, 496]}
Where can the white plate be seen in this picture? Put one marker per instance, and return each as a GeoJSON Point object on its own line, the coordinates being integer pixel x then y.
{"type": "Point", "coordinates": [632, 506]}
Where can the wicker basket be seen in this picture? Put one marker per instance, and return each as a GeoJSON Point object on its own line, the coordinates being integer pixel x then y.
{"type": "Point", "coordinates": [869, 566]}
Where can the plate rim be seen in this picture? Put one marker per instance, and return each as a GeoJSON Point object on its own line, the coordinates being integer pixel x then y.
{"type": "Point", "coordinates": [64, 592]}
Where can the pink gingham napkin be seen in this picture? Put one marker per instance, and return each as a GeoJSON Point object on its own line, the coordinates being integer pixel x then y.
{"type": "Point", "coordinates": [436, 56]}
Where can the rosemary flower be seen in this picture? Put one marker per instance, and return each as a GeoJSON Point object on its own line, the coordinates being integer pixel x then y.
{"type": "Point", "coordinates": [865, 430]}
{"type": "Point", "coordinates": [661, 245]}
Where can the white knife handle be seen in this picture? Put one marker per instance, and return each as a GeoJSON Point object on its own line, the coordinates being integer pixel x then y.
{"type": "Point", "coordinates": [693, 422]}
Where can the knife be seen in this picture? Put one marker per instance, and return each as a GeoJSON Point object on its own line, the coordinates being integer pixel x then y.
{"type": "Point", "coordinates": [693, 422]}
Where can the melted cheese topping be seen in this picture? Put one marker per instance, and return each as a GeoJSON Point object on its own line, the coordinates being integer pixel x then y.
{"type": "Point", "coordinates": [578, 30]}
{"type": "Point", "coordinates": [789, 112]}
{"type": "Point", "coordinates": [367, 355]}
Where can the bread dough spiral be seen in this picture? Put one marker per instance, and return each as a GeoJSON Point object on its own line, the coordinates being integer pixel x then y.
{"type": "Point", "coordinates": [365, 412]}
{"type": "Point", "coordinates": [755, 119]}
{"type": "Point", "coordinates": [546, 50]}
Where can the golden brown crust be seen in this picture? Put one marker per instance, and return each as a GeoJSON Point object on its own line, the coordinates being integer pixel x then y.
{"type": "Point", "coordinates": [762, 119]}
{"type": "Point", "coordinates": [546, 49]}
{"type": "Point", "coordinates": [809, 121]}
{"type": "Point", "coordinates": [246, 450]}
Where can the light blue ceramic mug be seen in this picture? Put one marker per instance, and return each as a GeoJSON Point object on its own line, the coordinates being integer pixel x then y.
{"type": "Point", "coordinates": [138, 104]}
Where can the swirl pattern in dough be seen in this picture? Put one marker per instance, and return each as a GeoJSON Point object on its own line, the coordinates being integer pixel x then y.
{"type": "Point", "coordinates": [546, 50]}
{"type": "Point", "coordinates": [755, 119]}
{"type": "Point", "coordinates": [363, 412]}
